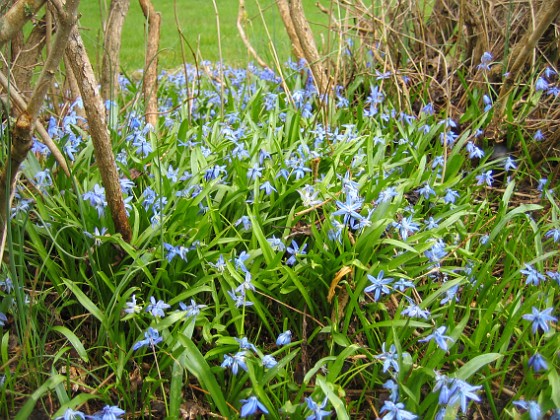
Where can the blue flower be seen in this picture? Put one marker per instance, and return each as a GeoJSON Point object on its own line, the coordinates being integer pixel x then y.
{"type": "Point", "coordinates": [541, 84]}
{"type": "Point", "coordinates": [267, 187]}
{"type": "Point", "coordinates": [474, 151]}
{"type": "Point", "coordinates": [7, 285]}
{"type": "Point", "coordinates": [406, 227]}
{"type": "Point", "coordinates": [152, 338]}
{"type": "Point", "coordinates": [245, 344]}
{"type": "Point", "coordinates": [389, 358]}
{"type": "Point", "coordinates": [426, 191]}
{"type": "Point", "coordinates": [70, 414]}
{"type": "Point", "coordinates": [191, 310]}
{"type": "Point", "coordinates": [485, 178]}
{"type": "Point", "coordinates": [509, 164]}
{"type": "Point", "coordinates": [393, 387]}
{"type": "Point", "coordinates": [485, 61]}
{"type": "Point", "coordinates": [108, 413]}
{"type": "Point", "coordinates": [554, 234]}
{"type": "Point", "coordinates": [295, 251]}
{"type": "Point", "coordinates": [436, 252]}
{"type": "Point", "coordinates": [415, 311]}
{"type": "Point", "coordinates": [462, 393]}
{"type": "Point", "coordinates": [284, 338]}
{"type": "Point", "coordinates": [439, 337]}
{"type": "Point", "coordinates": [540, 319]}
{"type": "Point", "coordinates": [3, 319]}
{"type": "Point", "coordinates": [450, 196]}
{"type": "Point", "coordinates": [537, 362]}
{"type": "Point", "coordinates": [276, 244]}
{"type": "Point", "coordinates": [268, 361]}
{"type": "Point", "coordinates": [538, 136]}
{"type": "Point", "coordinates": [132, 307]}
{"type": "Point", "coordinates": [378, 285]}
{"type": "Point", "coordinates": [533, 407]}
{"type": "Point", "coordinates": [235, 362]}
{"type": "Point", "coordinates": [245, 221]}
{"type": "Point", "coordinates": [252, 406]}
{"type": "Point", "coordinates": [533, 275]}
{"type": "Point", "coordinates": [254, 172]}
{"type": "Point", "coordinates": [396, 411]}
{"type": "Point", "coordinates": [96, 198]}
{"type": "Point", "coordinates": [157, 308]}
{"type": "Point", "coordinates": [318, 412]}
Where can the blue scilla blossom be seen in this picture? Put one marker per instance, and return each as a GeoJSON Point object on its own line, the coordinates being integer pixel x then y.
{"type": "Point", "coordinates": [537, 362]}
{"type": "Point", "coordinates": [3, 319]}
{"type": "Point", "coordinates": [96, 198]}
{"type": "Point", "coordinates": [43, 179]}
{"type": "Point", "coordinates": [387, 194]}
{"type": "Point", "coordinates": [379, 285]}
{"type": "Point", "coordinates": [239, 261]}
{"type": "Point", "coordinates": [245, 344]}
{"type": "Point", "coordinates": [175, 251]}
{"type": "Point", "coordinates": [450, 295]}
{"type": "Point", "coordinates": [439, 337]}
{"type": "Point", "coordinates": [402, 284]}
{"type": "Point", "coordinates": [431, 223]}
{"type": "Point", "coordinates": [542, 184]}
{"type": "Point", "coordinates": [172, 174]}
{"type": "Point", "coordinates": [438, 162]}
{"type": "Point", "coordinates": [215, 172]}
{"type": "Point", "coordinates": [157, 308]}
{"type": "Point", "coordinates": [268, 361]}
{"type": "Point", "coordinates": [284, 338]}
{"type": "Point", "coordinates": [541, 84]}
{"type": "Point", "coordinates": [533, 275]}
{"type": "Point", "coordinates": [474, 151]}
{"type": "Point", "coordinates": [252, 406]}
{"type": "Point", "coordinates": [131, 307]}
{"type": "Point", "coordinates": [149, 198]}
{"type": "Point", "coordinates": [317, 410]}
{"type": "Point", "coordinates": [396, 411]}
{"type": "Point", "coordinates": [554, 234]}
{"type": "Point", "coordinates": [70, 414]}
{"type": "Point", "coordinates": [415, 311]}
{"type": "Point", "coordinates": [393, 388]}
{"type": "Point", "coordinates": [453, 391]}
{"type": "Point", "coordinates": [235, 362]}
{"type": "Point", "coordinates": [108, 413]}
{"type": "Point", "coordinates": [245, 221]}
{"type": "Point", "coordinates": [295, 251]}
{"type": "Point", "coordinates": [487, 100]}
{"type": "Point", "coordinates": [448, 138]}
{"type": "Point", "coordinates": [485, 61]}
{"type": "Point", "coordinates": [485, 178]}
{"type": "Point", "coordinates": [309, 195]}
{"type": "Point", "coordinates": [152, 338]}
{"type": "Point", "coordinates": [538, 136]}
{"type": "Point", "coordinates": [254, 172]}
{"type": "Point", "coordinates": [389, 358]}
{"type": "Point", "coordinates": [7, 285]}
{"type": "Point", "coordinates": [484, 239]}
{"type": "Point", "coordinates": [191, 310]}
{"type": "Point", "coordinates": [532, 407]}
{"type": "Point", "coordinates": [220, 264]}
{"type": "Point", "coordinates": [240, 299]}
{"type": "Point", "coordinates": [436, 252]}
{"type": "Point", "coordinates": [126, 185]}
{"type": "Point", "coordinates": [406, 227]}
{"type": "Point", "coordinates": [276, 244]}
{"type": "Point", "coordinates": [349, 210]}
{"type": "Point", "coordinates": [509, 164]}
{"type": "Point", "coordinates": [426, 191]}
{"type": "Point", "coordinates": [450, 196]}
{"type": "Point", "coordinates": [554, 275]}
{"type": "Point", "coordinates": [540, 319]}
{"type": "Point", "coordinates": [267, 187]}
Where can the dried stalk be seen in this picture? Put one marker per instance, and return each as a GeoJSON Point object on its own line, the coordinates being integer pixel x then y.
{"type": "Point", "coordinates": [150, 71]}
{"type": "Point", "coordinates": [284, 10]}
{"type": "Point", "coordinates": [240, 18]}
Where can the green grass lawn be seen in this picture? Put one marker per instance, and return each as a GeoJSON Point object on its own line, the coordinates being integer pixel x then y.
{"type": "Point", "coordinates": [197, 20]}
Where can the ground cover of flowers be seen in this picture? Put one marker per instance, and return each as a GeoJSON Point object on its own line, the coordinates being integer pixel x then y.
{"type": "Point", "coordinates": [289, 259]}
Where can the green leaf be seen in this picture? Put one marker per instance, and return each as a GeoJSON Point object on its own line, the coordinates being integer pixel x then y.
{"type": "Point", "coordinates": [474, 365]}
{"type": "Point", "coordinates": [74, 340]}
{"type": "Point", "coordinates": [25, 412]}
{"type": "Point", "coordinates": [197, 365]}
{"type": "Point", "coordinates": [84, 300]}
{"type": "Point", "coordinates": [336, 402]}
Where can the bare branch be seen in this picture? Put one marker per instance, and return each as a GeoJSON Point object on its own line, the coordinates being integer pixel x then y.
{"type": "Point", "coordinates": [150, 70]}
{"type": "Point", "coordinates": [240, 18]}
{"type": "Point", "coordinates": [95, 112]}
{"type": "Point", "coordinates": [14, 19]}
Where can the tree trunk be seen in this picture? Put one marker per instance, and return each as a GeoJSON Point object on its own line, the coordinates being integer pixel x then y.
{"type": "Point", "coordinates": [150, 85]}
{"type": "Point", "coordinates": [284, 10]}
{"type": "Point", "coordinates": [28, 58]}
{"type": "Point", "coordinates": [307, 42]}
{"type": "Point", "coordinates": [110, 66]}
{"type": "Point", "coordinates": [95, 111]}
{"type": "Point", "coordinates": [14, 19]}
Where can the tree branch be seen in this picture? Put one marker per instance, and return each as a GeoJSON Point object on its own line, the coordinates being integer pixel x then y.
{"type": "Point", "coordinates": [14, 19]}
